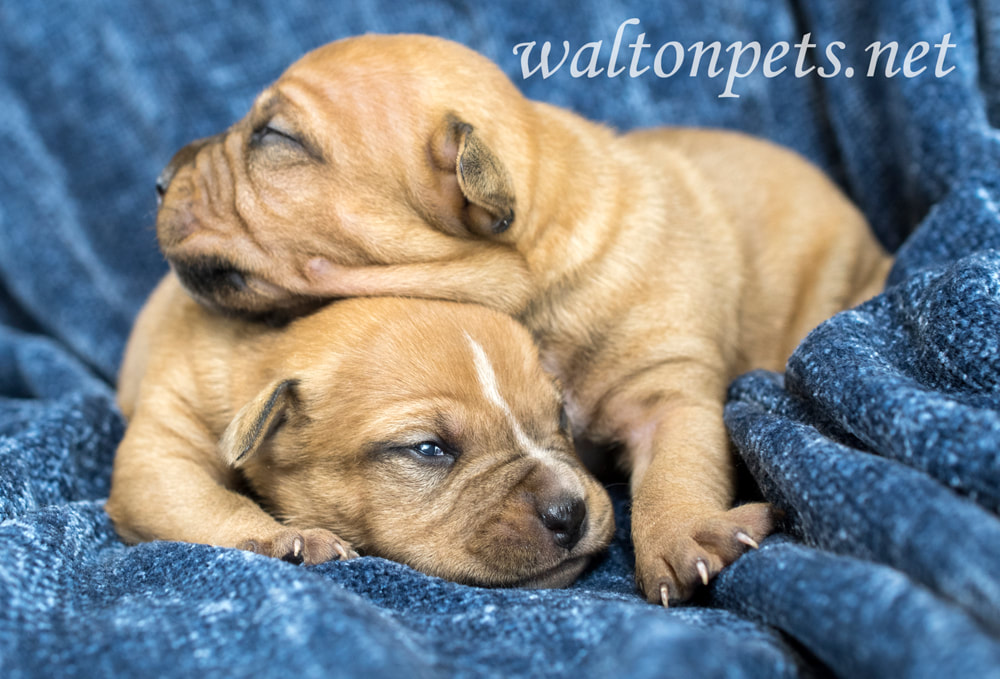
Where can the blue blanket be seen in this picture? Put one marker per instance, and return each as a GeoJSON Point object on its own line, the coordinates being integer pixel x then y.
{"type": "Point", "coordinates": [880, 441]}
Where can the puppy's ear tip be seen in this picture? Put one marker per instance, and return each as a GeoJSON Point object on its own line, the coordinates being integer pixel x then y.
{"type": "Point", "coordinates": [503, 224]}
{"type": "Point", "coordinates": [484, 183]}
{"type": "Point", "coordinates": [255, 421]}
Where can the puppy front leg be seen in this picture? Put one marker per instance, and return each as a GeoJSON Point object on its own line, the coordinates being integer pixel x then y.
{"type": "Point", "coordinates": [167, 484]}
{"type": "Point", "coordinates": [683, 527]}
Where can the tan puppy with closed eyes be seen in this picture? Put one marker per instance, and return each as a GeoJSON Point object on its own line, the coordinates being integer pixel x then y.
{"type": "Point", "coordinates": [425, 432]}
{"type": "Point", "coordinates": [651, 267]}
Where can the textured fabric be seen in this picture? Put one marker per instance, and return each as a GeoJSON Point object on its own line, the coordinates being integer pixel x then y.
{"type": "Point", "coordinates": [880, 442]}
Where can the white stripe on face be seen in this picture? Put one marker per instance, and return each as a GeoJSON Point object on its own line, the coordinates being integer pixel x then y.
{"type": "Point", "coordinates": [491, 389]}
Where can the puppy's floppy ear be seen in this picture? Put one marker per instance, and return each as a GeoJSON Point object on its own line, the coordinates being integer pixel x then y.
{"type": "Point", "coordinates": [256, 421]}
{"type": "Point", "coordinates": [485, 204]}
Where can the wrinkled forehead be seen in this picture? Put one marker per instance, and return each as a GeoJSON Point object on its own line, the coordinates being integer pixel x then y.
{"type": "Point", "coordinates": [423, 70]}
{"type": "Point", "coordinates": [471, 352]}
{"type": "Point", "coordinates": [472, 388]}
{"type": "Point", "coordinates": [350, 106]}
{"type": "Point", "coordinates": [353, 79]}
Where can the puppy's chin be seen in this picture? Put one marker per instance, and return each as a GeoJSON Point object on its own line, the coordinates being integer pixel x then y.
{"type": "Point", "coordinates": [274, 316]}
{"type": "Point", "coordinates": [221, 289]}
{"type": "Point", "coordinates": [562, 575]}
{"type": "Point", "coordinates": [544, 573]}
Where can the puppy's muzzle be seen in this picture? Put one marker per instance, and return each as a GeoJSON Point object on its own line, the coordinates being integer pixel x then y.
{"type": "Point", "coordinates": [181, 158]}
{"type": "Point", "coordinates": [558, 505]}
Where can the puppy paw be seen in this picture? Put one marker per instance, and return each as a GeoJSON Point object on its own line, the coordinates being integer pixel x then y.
{"type": "Point", "coordinates": [310, 546]}
{"type": "Point", "coordinates": [671, 565]}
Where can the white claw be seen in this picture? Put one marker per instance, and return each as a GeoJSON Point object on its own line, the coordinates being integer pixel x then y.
{"type": "Point", "coordinates": [340, 550]}
{"type": "Point", "coordinates": [665, 596]}
{"type": "Point", "coordinates": [296, 547]}
{"type": "Point", "coordinates": [747, 540]}
{"type": "Point", "coordinates": [702, 571]}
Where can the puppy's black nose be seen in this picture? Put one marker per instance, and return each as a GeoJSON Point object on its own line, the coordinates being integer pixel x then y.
{"type": "Point", "coordinates": [565, 518]}
{"type": "Point", "coordinates": [162, 182]}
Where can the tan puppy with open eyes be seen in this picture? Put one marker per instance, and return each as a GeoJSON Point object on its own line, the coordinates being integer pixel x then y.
{"type": "Point", "coordinates": [425, 432]}
{"type": "Point", "coordinates": [651, 267]}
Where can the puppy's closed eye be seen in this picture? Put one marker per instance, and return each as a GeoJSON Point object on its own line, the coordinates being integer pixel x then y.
{"type": "Point", "coordinates": [271, 134]}
{"type": "Point", "coordinates": [288, 142]}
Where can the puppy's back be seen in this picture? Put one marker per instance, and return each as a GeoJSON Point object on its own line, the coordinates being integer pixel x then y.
{"type": "Point", "coordinates": [808, 252]}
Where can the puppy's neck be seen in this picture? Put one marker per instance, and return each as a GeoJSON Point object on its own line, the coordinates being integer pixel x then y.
{"type": "Point", "coordinates": [582, 164]}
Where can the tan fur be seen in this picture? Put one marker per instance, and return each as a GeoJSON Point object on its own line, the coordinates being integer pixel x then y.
{"type": "Point", "coordinates": [651, 267]}
{"type": "Point", "coordinates": [318, 420]}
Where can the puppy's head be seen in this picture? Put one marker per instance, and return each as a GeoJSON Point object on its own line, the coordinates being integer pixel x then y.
{"type": "Point", "coordinates": [427, 433]}
{"type": "Point", "coordinates": [376, 152]}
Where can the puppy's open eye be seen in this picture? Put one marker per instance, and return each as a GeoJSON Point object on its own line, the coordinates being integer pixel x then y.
{"type": "Point", "coordinates": [429, 449]}
{"type": "Point", "coordinates": [431, 453]}
{"type": "Point", "coordinates": [236, 280]}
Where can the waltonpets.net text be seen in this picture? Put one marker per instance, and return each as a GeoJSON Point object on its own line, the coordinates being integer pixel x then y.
{"type": "Point", "coordinates": [736, 60]}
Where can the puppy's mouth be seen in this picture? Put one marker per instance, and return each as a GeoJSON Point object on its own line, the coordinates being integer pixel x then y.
{"type": "Point", "coordinates": [561, 575]}
{"type": "Point", "coordinates": [223, 288]}
{"type": "Point", "coordinates": [209, 277]}
{"type": "Point", "coordinates": [597, 531]}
